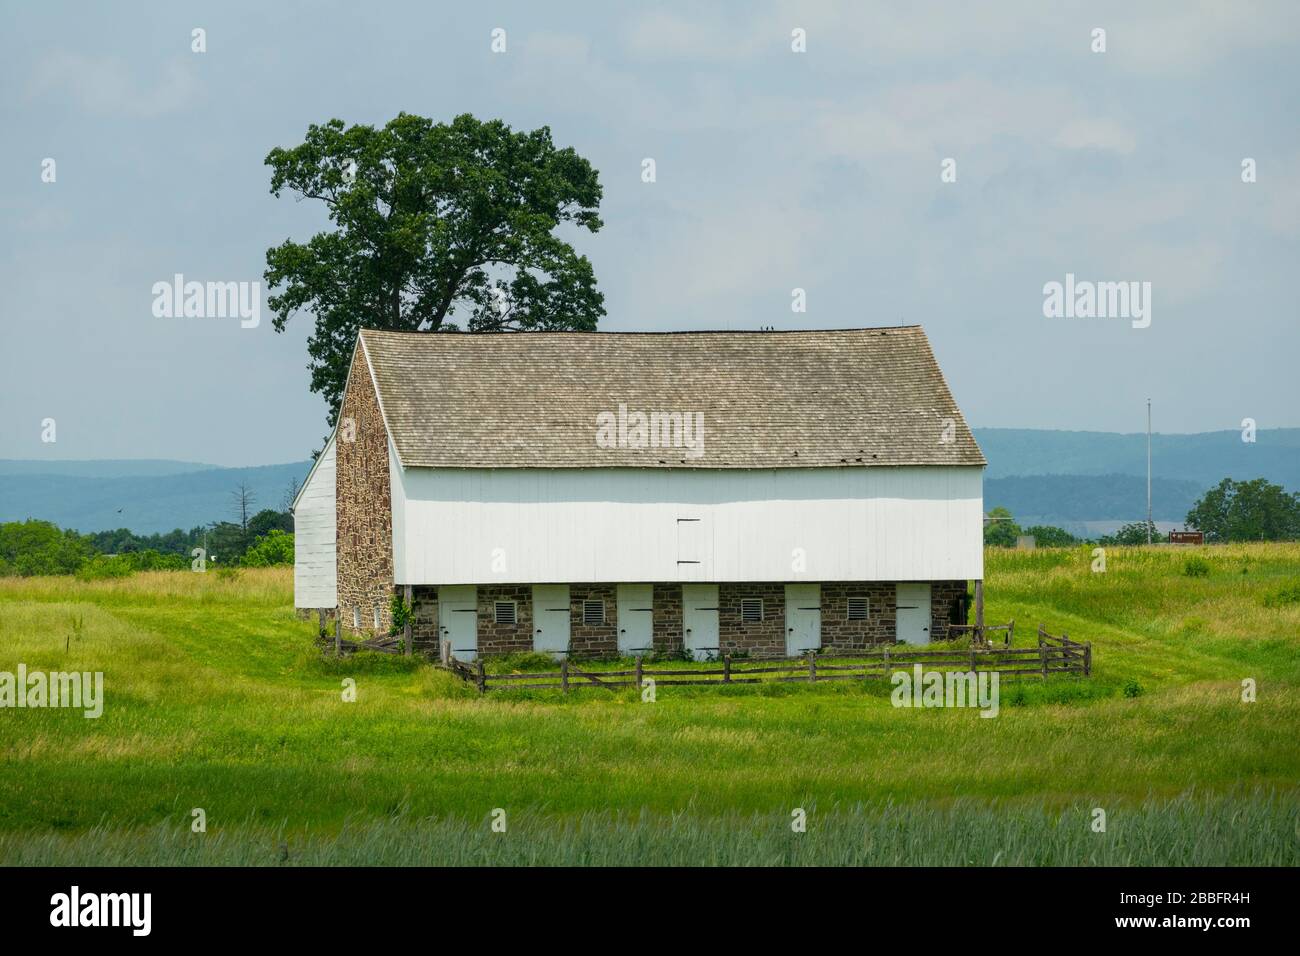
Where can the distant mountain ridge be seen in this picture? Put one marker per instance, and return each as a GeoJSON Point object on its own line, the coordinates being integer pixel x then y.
{"type": "Point", "coordinates": [1082, 481]}
{"type": "Point", "coordinates": [1093, 482]}
{"type": "Point", "coordinates": [1205, 458]}
{"type": "Point", "coordinates": [102, 467]}
{"type": "Point", "coordinates": [156, 500]}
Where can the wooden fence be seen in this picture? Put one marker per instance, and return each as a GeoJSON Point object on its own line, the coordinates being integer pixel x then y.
{"type": "Point", "coordinates": [385, 645]}
{"type": "Point", "coordinates": [1053, 655]}
{"type": "Point", "coordinates": [985, 633]}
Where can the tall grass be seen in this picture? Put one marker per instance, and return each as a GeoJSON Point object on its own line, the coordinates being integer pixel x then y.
{"type": "Point", "coordinates": [1187, 831]}
{"type": "Point", "coordinates": [217, 697]}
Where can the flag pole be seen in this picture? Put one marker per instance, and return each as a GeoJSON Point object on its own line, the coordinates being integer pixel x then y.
{"type": "Point", "coordinates": [1148, 471]}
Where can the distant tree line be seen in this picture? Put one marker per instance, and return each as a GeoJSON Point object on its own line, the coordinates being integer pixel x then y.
{"type": "Point", "coordinates": [1001, 531]}
{"type": "Point", "coordinates": [252, 540]}
{"type": "Point", "coordinates": [219, 538]}
{"type": "Point", "coordinates": [1255, 510]}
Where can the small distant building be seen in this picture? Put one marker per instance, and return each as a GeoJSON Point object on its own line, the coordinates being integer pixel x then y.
{"type": "Point", "coordinates": [713, 492]}
{"type": "Point", "coordinates": [1025, 542]}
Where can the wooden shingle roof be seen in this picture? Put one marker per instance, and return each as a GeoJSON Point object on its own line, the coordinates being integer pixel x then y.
{"type": "Point", "coordinates": [856, 397]}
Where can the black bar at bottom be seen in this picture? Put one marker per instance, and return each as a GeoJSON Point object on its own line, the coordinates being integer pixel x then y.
{"type": "Point", "coordinates": [316, 905]}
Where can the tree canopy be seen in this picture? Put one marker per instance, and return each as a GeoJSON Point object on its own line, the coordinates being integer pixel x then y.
{"type": "Point", "coordinates": [1247, 511]}
{"type": "Point", "coordinates": [1135, 532]}
{"type": "Point", "coordinates": [1000, 529]}
{"type": "Point", "coordinates": [435, 227]}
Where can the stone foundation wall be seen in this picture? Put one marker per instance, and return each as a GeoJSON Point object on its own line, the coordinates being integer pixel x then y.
{"type": "Point", "coordinates": [593, 639]}
{"type": "Point", "coordinates": [946, 607]}
{"type": "Point", "coordinates": [666, 629]}
{"type": "Point", "coordinates": [424, 619]}
{"type": "Point", "coordinates": [764, 638]}
{"type": "Point", "coordinates": [494, 638]}
{"type": "Point", "coordinates": [841, 634]}
{"type": "Point", "coordinates": [758, 639]}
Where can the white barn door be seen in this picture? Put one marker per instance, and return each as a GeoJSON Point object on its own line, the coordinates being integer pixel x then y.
{"type": "Point", "coordinates": [803, 618]}
{"type": "Point", "coordinates": [700, 620]}
{"type": "Point", "coordinates": [690, 549]}
{"type": "Point", "coordinates": [551, 616]}
{"type": "Point", "coordinates": [458, 619]}
{"type": "Point", "coordinates": [635, 618]}
{"type": "Point", "coordinates": [913, 617]}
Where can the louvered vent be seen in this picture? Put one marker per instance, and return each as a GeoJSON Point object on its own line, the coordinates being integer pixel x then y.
{"type": "Point", "coordinates": [857, 609]}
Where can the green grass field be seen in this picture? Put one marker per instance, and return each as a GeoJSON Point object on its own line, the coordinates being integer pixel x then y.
{"type": "Point", "coordinates": [216, 698]}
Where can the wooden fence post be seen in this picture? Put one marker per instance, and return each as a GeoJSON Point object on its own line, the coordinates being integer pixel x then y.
{"type": "Point", "coordinates": [726, 668]}
{"type": "Point", "coordinates": [320, 613]}
{"type": "Point", "coordinates": [638, 672]}
{"type": "Point", "coordinates": [1087, 659]}
{"type": "Point", "coordinates": [564, 675]}
{"type": "Point", "coordinates": [887, 669]}
{"type": "Point", "coordinates": [812, 665]}
{"type": "Point", "coordinates": [1042, 653]}
{"type": "Point", "coordinates": [972, 660]}
{"type": "Point", "coordinates": [482, 678]}
{"type": "Point", "coordinates": [406, 631]}
{"type": "Point", "coordinates": [338, 626]}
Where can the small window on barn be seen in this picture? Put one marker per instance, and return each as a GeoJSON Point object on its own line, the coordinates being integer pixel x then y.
{"type": "Point", "coordinates": [751, 610]}
{"type": "Point", "coordinates": [593, 613]}
{"type": "Point", "coordinates": [356, 618]}
{"type": "Point", "coordinates": [857, 609]}
{"type": "Point", "coordinates": [506, 612]}
{"type": "Point", "coordinates": [378, 614]}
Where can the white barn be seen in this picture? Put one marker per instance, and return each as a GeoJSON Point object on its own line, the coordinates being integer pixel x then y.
{"type": "Point", "coordinates": [601, 493]}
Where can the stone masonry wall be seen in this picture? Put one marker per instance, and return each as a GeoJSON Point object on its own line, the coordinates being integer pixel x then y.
{"type": "Point", "coordinates": [593, 639]}
{"type": "Point", "coordinates": [424, 619]}
{"type": "Point", "coordinates": [364, 506]}
{"type": "Point", "coordinates": [945, 607]}
{"type": "Point", "coordinates": [666, 629]}
{"type": "Point", "coordinates": [765, 638]}
{"type": "Point", "coordinates": [840, 633]}
{"type": "Point", "coordinates": [494, 638]}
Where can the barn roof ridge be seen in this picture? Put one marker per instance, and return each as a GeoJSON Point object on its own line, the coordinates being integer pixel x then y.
{"type": "Point", "coordinates": [797, 398]}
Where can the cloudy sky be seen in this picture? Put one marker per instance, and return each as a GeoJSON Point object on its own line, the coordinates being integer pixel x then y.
{"type": "Point", "coordinates": [776, 170]}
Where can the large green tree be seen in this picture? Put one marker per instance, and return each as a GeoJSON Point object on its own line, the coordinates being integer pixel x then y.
{"type": "Point", "coordinates": [1247, 511]}
{"type": "Point", "coordinates": [435, 226]}
{"type": "Point", "coordinates": [1000, 529]}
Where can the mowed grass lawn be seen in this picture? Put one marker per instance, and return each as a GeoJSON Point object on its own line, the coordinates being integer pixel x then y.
{"type": "Point", "coordinates": [216, 698]}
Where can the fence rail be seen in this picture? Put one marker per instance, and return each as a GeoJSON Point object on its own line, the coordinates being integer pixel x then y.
{"type": "Point", "coordinates": [1053, 655]}
{"type": "Point", "coordinates": [984, 633]}
{"type": "Point", "coordinates": [385, 645]}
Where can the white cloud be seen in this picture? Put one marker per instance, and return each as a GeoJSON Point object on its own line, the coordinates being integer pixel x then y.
{"type": "Point", "coordinates": [929, 120]}
{"type": "Point", "coordinates": [104, 85]}
{"type": "Point", "coordinates": [1157, 36]}
{"type": "Point", "coordinates": [702, 36]}
{"type": "Point", "coordinates": [1103, 134]}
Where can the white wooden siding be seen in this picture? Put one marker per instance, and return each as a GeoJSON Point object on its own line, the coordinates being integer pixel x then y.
{"type": "Point", "coordinates": [524, 526]}
{"type": "Point", "coordinates": [315, 577]}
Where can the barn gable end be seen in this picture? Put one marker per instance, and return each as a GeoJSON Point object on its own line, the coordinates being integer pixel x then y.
{"type": "Point", "coordinates": [365, 529]}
